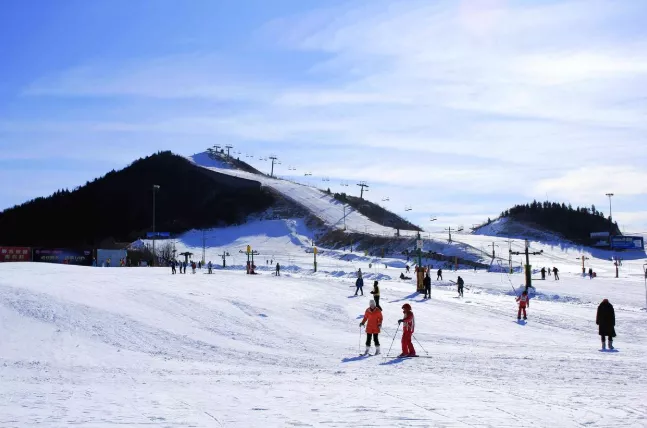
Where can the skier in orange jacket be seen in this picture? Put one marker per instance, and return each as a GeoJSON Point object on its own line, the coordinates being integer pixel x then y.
{"type": "Point", "coordinates": [524, 302]}
{"type": "Point", "coordinates": [373, 320]}
{"type": "Point", "coordinates": [408, 326]}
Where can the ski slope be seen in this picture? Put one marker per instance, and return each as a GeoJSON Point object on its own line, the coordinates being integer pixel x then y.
{"type": "Point", "coordinates": [321, 205]}
{"type": "Point", "coordinates": [99, 347]}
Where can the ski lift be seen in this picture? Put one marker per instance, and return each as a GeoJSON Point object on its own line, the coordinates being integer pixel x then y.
{"type": "Point", "coordinates": [386, 199]}
{"type": "Point", "coordinates": [408, 208]}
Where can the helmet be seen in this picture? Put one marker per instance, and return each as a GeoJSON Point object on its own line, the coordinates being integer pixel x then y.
{"type": "Point", "coordinates": [371, 303]}
{"type": "Point", "coordinates": [406, 307]}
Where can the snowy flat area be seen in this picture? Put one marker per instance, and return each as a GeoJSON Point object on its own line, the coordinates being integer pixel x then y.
{"type": "Point", "coordinates": [99, 347]}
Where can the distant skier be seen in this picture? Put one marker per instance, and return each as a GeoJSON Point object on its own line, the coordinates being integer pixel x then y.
{"type": "Point", "coordinates": [359, 284]}
{"type": "Point", "coordinates": [590, 273]}
{"type": "Point", "coordinates": [439, 275]}
{"type": "Point", "coordinates": [548, 270]}
{"type": "Point", "coordinates": [606, 320]}
{"type": "Point", "coordinates": [408, 327]}
{"type": "Point", "coordinates": [193, 267]}
{"type": "Point", "coordinates": [461, 284]}
{"type": "Point", "coordinates": [406, 267]}
{"type": "Point", "coordinates": [373, 320]}
{"type": "Point", "coordinates": [200, 264]}
{"type": "Point", "coordinates": [173, 267]}
{"type": "Point", "coordinates": [278, 269]}
{"type": "Point", "coordinates": [543, 273]}
{"type": "Point", "coordinates": [376, 294]}
{"type": "Point", "coordinates": [556, 273]}
{"type": "Point", "coordinates": [427, 283]}
{"type": "Point", "coordinates": [184, 265]}
{"type": "Point", "coordinates": [405, 278]}
{"type": "Point", "coordinates": [209, 267]}
{"type": "Point", "coordinates": [524, 302]}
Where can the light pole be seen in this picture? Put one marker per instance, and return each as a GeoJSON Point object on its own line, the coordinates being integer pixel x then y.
{"type": "Point", "coordinates": [155, 189]}
{"type": "Point", "coordinates": [610, 216]}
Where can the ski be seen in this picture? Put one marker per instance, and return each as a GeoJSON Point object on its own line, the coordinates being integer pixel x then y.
{"type": "Point", "coordinates": [412, 356]}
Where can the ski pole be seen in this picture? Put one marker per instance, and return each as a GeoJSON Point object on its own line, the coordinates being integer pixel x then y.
{"type": "Point", "coordinates": [359, 341]}
{"type": "Point", "coordinates": [414, 338]}
{"type": "Point", "coordinates": [396, 332]}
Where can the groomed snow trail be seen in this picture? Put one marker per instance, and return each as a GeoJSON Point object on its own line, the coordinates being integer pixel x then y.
{"type": "Point", "coordinates": [97, 347]}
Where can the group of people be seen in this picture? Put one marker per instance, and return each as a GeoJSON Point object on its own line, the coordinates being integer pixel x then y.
{"type": "Point", "coordinates": [554, 270]}
{"type": "Point", "coordinates": [175, 264]}
{"type": "Point", "coordinates": [373, 319]}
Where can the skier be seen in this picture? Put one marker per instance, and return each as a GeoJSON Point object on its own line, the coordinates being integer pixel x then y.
{"type": "Point", "coordinates": [373, 320]}
{"type": "Point", "coordinates": [556, 273]}
{"type": "Point", "coordinates": [440, 274]}
{"type": "Point", "coordinates": [404, 277]}
{"type": "Point", "coordinates": [173, 267]}
{"type": "Point", "coordinates": [407, 331]}
{"type": "Point", "coordinates": [427, 283]}
{"type": "Point", "coordinates": [543, 273]}
{"type": "Point", "coordinates": [549, 271]}
{"type": "Point", "coordinates": [278, 269]}
{"type": "Point", "coordinates": [200, 264]}
{"type": "Point", "coordinates": [376, 294]}
{"type": "Point", "coordinates": [590, 273]}
{"type": "Point", "coordinates": [184, 264]}
{"type": "Point", "coordinates": [193, 267]}
{"type": "Point", "coordinates": [606, 320]}
{"type": "Point", "coordinates": [359, 283]}
{"type": "Point", "coordinates": [210, 267]}
{"type": "Point", "coordinates": [524, 302]}
{"type": "Point", "coordinates": [407, 268]}
{"type": "Point", "coordinates": [460, 283]}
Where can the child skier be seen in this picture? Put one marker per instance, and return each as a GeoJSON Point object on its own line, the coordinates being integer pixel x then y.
{"type": "Point", "coordinates": [408, 327]}
{"type": "Point", "coordinates": [524, 302]}
{"type": "Point", "coordinates": [373, 321]}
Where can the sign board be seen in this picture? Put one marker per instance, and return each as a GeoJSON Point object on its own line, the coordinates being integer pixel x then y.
{"type": "Point", "coordinates": [627, 243]}
{"type": "Point", "coordinates": [63, 255]}
{"type": "Point", "coordinates": [158, 235]}
{"type": "Point", "coordinates": [419, 244]}
{"type": "Point", "coordinates": [15, 254]}
{"type": "Point", "coordinates": [600, 235]}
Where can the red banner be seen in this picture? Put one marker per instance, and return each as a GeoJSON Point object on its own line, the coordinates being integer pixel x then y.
{"type": "Point", "coordinates": [15, 254]}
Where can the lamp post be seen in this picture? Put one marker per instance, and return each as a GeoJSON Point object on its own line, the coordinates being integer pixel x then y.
{"type": "Point", "coordinates": [610, 195]}
{"type": "Point", "coordinates": [155, 189]}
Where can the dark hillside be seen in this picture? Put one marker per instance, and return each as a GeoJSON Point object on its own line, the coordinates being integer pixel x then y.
{"type": "Point", "coordinates": [119, 205]}
{"type": "Point", "coordinates": [575, 224]}
{"type": "Point", "coordinates": [376, 213]}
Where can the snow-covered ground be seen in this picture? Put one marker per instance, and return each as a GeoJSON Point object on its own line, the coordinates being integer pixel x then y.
{"type": "Point", "coordinates": [99, 347]}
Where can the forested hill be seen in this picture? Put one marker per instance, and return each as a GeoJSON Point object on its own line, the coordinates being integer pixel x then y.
{"type": "Point", "coordinates": [575, 224]}
{"type": "Point", "coordinates": [119, 205]}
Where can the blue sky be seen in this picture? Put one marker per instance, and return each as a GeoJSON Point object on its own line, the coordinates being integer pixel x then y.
{"type": "Point", "coordinates": [458, 109]}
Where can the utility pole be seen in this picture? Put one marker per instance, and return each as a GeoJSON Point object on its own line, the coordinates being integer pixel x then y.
{"type": "Point", "coordinates": [155, 189]}
{"type": "Point", "coordinates": [224, 260]}
{"type": "Point", "coordinates": [509, 241]}
{"type": "Point", "coordinates": [344, 216]}
{"type": "Point", "coordinates": [204, 244]}
{"type": "Point", "coordinates": [274, 158]}
{"type": "Point", "coordinates": [449, 229]}
{"type": "Point", "coordinates": [583, 259]}
{"type": "Point", "coordinates": [610, 195]}
{"type": "Point", "coordinates": [314, 250]}
{"type": "Point", "coordinates": [528, 267]}
{"type": "Point", "coordinates": [493, 253]}
{"type": "Point", "coordinates": [228, 147]}
{"type": "Point", "coordinates": [363, 185]}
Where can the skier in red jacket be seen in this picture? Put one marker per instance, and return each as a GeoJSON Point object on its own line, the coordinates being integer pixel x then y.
{"type": "Point", "coordinates": [524, 302]}
{"type": "Point", "coordinates": [408, 326]}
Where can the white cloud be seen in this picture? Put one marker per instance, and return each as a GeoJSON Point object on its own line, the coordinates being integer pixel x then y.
{"type": "Point", "coordinates": [589, 182]}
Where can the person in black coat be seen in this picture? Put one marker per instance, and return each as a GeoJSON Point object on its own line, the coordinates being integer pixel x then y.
{"type": "Point", "coordinates": [606, 320]}
{"type": "Point", "coordinates": [427, 283]}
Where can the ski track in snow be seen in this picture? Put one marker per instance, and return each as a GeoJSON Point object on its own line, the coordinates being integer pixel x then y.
{"type": "Point", "coordinates": [97, 347]}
